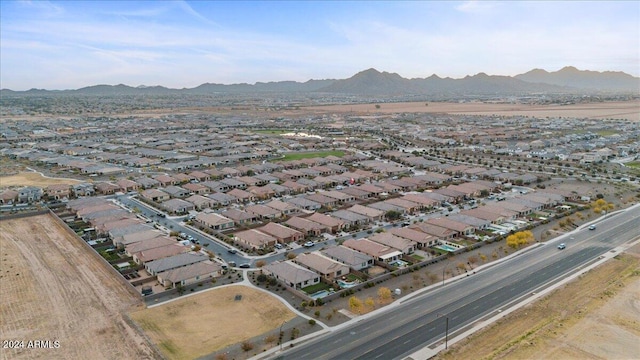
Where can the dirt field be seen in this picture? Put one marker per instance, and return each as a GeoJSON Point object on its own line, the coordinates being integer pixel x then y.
{"type": "Point", "coordinates": [33, 179]}
{"type": "Point", "coordinates": [52, 289]}
{"type": "Point", "coordinates": [203, 323]}
{"type": "Point", "coordinates": [629, 110]}
{"type": "Point", "coordinates": [594, 317]}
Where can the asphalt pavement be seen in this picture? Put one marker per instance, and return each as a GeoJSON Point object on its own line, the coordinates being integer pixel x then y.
{"type": "Point", "coordinates": [405, 327]}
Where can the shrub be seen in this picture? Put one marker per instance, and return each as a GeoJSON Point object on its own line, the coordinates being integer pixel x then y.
{"type": "Point", "coordinates": [312, 322]}
{"type": "Point", "coordinates": [247, 346]}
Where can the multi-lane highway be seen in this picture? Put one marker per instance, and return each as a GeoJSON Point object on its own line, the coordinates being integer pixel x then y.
{"type": "Point", "coordinates": [421, 321]}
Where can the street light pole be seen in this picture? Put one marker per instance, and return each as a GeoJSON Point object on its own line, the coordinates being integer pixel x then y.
{"type": "Point", "coordinates": [446, 334]}
{"type": "Point", "coordinates": [443, 270]}
{"type": "Point", "coordinates": [281, 335]}
{"type": "Point", "coordinates": [446, 330]}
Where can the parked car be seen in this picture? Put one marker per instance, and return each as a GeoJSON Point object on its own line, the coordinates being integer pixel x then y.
{"type": "Point", "coordinates": [562, 246]}
{"type": "Point", "coordinates": [592, 227]}
{"type": "Point", "coordinates": [231, 263]}
{"type": "Point", "coordinates": [308, 244]}
{"type": "Point", "coordinates": [232, 251]}
{"type": "Point", "coordinates": [245, 266]}
{"type": "Point", "coordinates": [279, 246]}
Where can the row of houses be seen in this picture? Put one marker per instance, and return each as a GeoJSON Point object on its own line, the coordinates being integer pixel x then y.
{"type": "Point", "coordinates": [170, 262]}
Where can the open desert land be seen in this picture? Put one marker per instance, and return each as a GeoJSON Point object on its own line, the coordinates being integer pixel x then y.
{"type": "Point", "coordinates": [203, 323]}
{"type": "Point", "coordinates": [33, 179]}
{"type": "Point", "coordinates": [53, 289]}
{"type": "Point", "coordinates": [597, 316]}
{"type": "Point", "coordinates": [629, 110]}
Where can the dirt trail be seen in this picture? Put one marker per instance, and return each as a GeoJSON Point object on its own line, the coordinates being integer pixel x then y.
{"type": "Point", "coordinates": [53, 289]}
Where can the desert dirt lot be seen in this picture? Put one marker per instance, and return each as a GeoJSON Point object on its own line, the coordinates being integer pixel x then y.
{"type": "Point", "coordinates": [33, 179]}
{"type": "Point", "coordinates": [53, 289]}
{"type": "Point", "coordinates": [595, 317]}
{"type": "Point", "coordinates": [629, 110]}
{"type": "Point", "coordinates": [206, 322]}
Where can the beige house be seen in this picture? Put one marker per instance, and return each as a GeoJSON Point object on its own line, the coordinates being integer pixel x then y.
{"type": "Point", "coordinates": [329, 269]}
{"type": "Point", "coordinates": [190, 274]}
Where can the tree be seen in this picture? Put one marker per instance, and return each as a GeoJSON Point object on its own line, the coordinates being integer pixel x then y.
{"type": "Point", "coordinates": [260, 263]}
{"type": "Point", "coordinates": [247, 346]}
{"type": "Point", "coordinates": [392, 215]}
{"type": "Point", "coordinates": [384, 295]}
{"type": "Point", "coordinates": [370, 304]}
{"type": "Point", "coordinates": [520, 238]}
{"type": "Point", "coordinates": [355, 305]}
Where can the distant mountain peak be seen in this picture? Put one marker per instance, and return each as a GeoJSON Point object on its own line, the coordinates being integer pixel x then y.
{"type": "Point", "coordinates": [373, 82]}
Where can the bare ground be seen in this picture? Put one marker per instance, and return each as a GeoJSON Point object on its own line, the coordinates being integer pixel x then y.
{"type": "Point", "coordinates": [629, 110]}
{"type": "Point", "coordinates": [33, 179]}
{"type": "Point", "coordinates": [53, 289]}
{"type": "Point", "coordinates": [206, 322]}
{"type": "Point", "coordinates": [594, 317]}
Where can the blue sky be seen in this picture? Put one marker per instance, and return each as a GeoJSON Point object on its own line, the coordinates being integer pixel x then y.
{"type": "Point", "coordinates": [66, 44]}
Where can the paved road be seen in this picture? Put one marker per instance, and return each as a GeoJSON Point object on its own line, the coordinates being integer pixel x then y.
{"type": "Point", "coordinates": [421, 321]}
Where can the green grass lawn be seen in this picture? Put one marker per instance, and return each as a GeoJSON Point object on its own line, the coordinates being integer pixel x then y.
{"type": "Point", "coordinates": [606, 132]}
{"type": "Point", "coordinates": [271, 131]}
{"type": "Point", "coordinates": [351, 277]}
{"type": "Point", "coordinates": [307, 155]}
{"type": "Point", "coordinates": [315, 288]}
{"type": "Point", "coordinates": [633, 164]}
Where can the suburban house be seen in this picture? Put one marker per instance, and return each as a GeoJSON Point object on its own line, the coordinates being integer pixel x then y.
{"type": "Point", "coordinates": [422, 240]}
{"type": "Point", "coordinates": [201, 202]}
{"type": "Point", "coordinates": [155, 195]}
{"type": "Point", "coordinates": [29, 194]}
{"type": "Point", "coordinates": [436, 231]}
{"type": "Point", "coordinates": [327, 268]}
{"type": "Point", "coordinates": [174, 262]}
{"type": "Point", "coordinates": [263, 211]}
{"type": "Point", "coordinates": [242, 196]}
{"type": "Point", "coordinates": [307, 227]}
{"type": "Point", "coordinates": [58, 191]}
{"type": "Point", "coordinates": [352, 258]}
{"type": "Point", "coordinates": [127, 185]}
{"type": "Point", "coordinates": [8, 197]}
{"type": "Point", "coordinates": [371, 213]}
{"type": "Point", "coordinates": [350, 218]}
{"type": "Point", "coordinates": [157, 253]}
{"type": "Point", "coordinates": [377, 251]}
{"type": "Point", "coordinates": [148, 244]}
{"type": "Point", "coordinates": [291, 274]}
{"type": "Point", "coordinates": [214, 221]}
{"type": "Point", "coordinates": [254, 239]}
{"type": "Point", "coordinates": [284, 234]}
{"type": "Point", "coordinates": [176, 191]}
{"type": "Point", "coordinates": [177, 206]}
{"type": "Point", "coordinates": [304, 204]}
{"type": "Point", "coordinates": [332, 223]}
{"type": "Point", "coordinates": [404, 245]}
{"type": "Point", "coordinates": [461, 229]}
{"type": "Point", "coordinates": [285, 208]}
{"type": "Point", "coordinates": [190, 274]}
{"type": "Point", "coordinates": [239, 217]}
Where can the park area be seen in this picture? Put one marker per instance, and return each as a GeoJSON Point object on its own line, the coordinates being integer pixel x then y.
{"type": "Point", "coordinates": [54, 289]}
{"type": "Point", "coordinates": [203, 323]}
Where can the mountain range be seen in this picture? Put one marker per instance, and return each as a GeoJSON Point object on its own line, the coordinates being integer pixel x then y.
{"type": "Point", "coordinates": [372, 82]}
